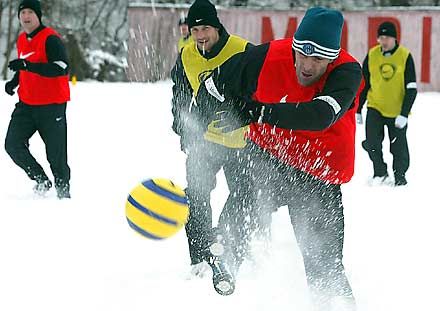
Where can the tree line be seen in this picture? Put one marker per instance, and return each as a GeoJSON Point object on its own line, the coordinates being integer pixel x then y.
{"type": "Point", "coordinates": [94, 31]}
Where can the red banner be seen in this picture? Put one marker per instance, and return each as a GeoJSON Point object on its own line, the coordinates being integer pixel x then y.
{"type": "Point", "coordinates": [154, 35]}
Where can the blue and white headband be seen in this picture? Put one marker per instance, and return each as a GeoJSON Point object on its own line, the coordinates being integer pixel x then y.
{"type": "Point", "coordinates": [310, 48]}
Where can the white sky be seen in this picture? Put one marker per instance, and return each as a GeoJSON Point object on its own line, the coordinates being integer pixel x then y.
{"type": "Point", "coordinates": [81, 254]}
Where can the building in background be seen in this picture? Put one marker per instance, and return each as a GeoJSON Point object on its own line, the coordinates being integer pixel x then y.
{"type": "Point", "coordinates": [153, 33]}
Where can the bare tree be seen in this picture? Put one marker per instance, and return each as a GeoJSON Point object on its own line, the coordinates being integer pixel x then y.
{"type": "Point", "coordinates": [2, 6]}
{"type": "Point", "coordinates": [11, 35]}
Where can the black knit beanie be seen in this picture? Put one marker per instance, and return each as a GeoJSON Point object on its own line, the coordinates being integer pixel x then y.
{"type": "Point", "coordinates": [203, 12]}
{"type": "Point", "coordinates": [34, 5]}
{"type": "Point", "coordinates": [387, 29]}
{"type": "Point", "coordinates": [319, 33]}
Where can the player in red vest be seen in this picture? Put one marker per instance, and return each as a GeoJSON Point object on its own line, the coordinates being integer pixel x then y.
{"type": "Point", "coordinates": [41, 71]}
{"type": "Point", "coordinates": [299, 97]}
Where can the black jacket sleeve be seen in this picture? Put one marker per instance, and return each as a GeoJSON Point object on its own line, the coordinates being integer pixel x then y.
{"type": "Point", "coordinates": [182, 95]}
{"type": "Point", "coordinates": [366, 74]}
{"type": "Point", "coordinates": [248, 71]}
{"type": "Point", "coordinates": [57, 64]}
{"type": "Point", "coordinates": [410, 86]}
{"type": "Point", "coordinates": [325, 109]}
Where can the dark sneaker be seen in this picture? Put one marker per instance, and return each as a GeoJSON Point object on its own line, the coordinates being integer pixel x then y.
{"type": "Point", "coordinates": [222, 278]}
{"type": "Point", "coordinates": [42, 187]}
{"type": "Point", "coordinates": [381, 177]}
{"type": "Point", "coordinates": [63, 191]}
{"type": "Point", "coordinates": [380, 180]}
{"type": "Point", "coordinates": [400, 180]}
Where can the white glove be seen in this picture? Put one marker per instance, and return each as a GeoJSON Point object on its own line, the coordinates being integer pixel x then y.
{"type": "Point", "coordinates": [359, 119]}
{"type": "Point", "coordinates": [401, 121]}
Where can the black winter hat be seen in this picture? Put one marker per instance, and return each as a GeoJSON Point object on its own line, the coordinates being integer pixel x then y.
{"type": "Point", "coordinates": [387, 29]}
{"type": "Point", "coordinates": [203, 12]}
{"type": "Point", "coordinates": [34, 5]}
{"type": "Point", "coordinates": [319, 33]}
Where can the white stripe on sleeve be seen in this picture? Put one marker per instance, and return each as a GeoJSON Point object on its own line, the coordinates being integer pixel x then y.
{"type": "Point", "coordinates": [60, 63]}
{"type": "Point", "coordinates": [331, 101]}
{"type": "Point", "coordinates": [411, 85]}
{"type": "Point", "coordinates": [212, 89]}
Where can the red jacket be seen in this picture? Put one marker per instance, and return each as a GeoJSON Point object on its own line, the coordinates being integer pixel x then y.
{"type": "Point", "coordinates": [35, 89]}
{"type": "Point", "coordinates": [328, 154]}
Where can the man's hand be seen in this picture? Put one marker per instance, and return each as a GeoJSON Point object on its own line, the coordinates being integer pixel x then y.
{"type": "Point", "coordinates": [9, 87]}
{"type": "Point", "coordinates": [237, 115]}
{"type": "Point", "coordinates": [401, 122]}
{"type": "Point", "coordinates": [18, 64]}
{"type": "Point", "coordinates": [359, 119]}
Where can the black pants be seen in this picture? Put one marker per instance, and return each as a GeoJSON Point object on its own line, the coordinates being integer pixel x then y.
{"type": "Point", "coordinates": [374, 128]}
{"type": "Point", "coordinates": [316, 214]}
{"type": "Point", "coordinates": [50, 122]}
{"type": "Point", "coordinates": [204, 161]}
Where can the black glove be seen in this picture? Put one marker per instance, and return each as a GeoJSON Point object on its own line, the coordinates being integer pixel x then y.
{"type": "Point", "coordinates": [238, 114]}
{"type": "Point", "coordinates": [18, 64]}
{"type": "Point", "coordinates": [9, 87]}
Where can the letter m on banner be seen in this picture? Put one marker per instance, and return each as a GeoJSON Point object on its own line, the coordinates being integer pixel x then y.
{"type": "Point", "coordinates": [267, 30]}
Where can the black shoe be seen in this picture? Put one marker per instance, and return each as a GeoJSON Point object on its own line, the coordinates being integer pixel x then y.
{"type": "Point", "coordinates": [400, 180]}
{"type": "Point", "coordinates": [42, 187]}
{"type": "Point", "coordinates": [63, 191]}
{"type": "Point", "coordinates": [381, 177]}
{"type": "Point", "coordinates": [222, 278]}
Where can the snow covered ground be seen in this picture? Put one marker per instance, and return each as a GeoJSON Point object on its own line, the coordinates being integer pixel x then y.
{"type": "Point", "coordinates": [80, 254]}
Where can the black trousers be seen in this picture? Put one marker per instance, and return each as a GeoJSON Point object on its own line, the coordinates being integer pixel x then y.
{"type": "Point", "coordinates": [316, 215]}
{"type": "Point", "coordinates": [204, 161]}
{"type": "Point", "coordinates": [374, 128]}
{"type": "Point", "coordinates": [50, 122]}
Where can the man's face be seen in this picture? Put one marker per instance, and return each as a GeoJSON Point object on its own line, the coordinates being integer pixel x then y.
{"type": "Point", "coordinates": [387, 43]}
{"type": "Point", "coordinates": [205, 36]}
{"type": "Point", "coordinates": [29, 20]}
{"type": "Point", "coordinates": [309, 69]}
{"type": "Point", "coordinates": [184, 31]}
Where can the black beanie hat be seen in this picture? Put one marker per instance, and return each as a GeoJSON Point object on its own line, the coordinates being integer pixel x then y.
{"type": "Point", "coordinates": [319, 33]}
{"type": "Point", "coordinates": [387, 29]}
{"type": "Point", "coordinates": [203, 12]}
{"type": "Point", "coordinates": [34, 5]}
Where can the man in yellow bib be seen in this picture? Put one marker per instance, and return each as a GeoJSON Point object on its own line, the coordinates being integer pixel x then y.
{"type": "Point", "coordinates": [390, 91]}
{"type": "Point", "coordinates": [207, 150]}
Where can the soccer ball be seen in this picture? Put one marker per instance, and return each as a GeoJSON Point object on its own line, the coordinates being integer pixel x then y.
{"type": "Point", "coordinates": [157, 208]}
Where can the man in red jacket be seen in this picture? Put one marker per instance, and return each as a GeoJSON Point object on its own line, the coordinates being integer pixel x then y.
{"type": "Point", "coordinates": [41, 71]}
{"type": "Point", "coordinates": [299, 97]}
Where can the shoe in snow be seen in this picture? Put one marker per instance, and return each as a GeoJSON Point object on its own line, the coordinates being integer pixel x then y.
{"type": "Point", "coordinates": [222, 278]}
{"type": "Point", "coordinates": [42, 187]}
{"type": "Point", "coordinates": [63, 191]}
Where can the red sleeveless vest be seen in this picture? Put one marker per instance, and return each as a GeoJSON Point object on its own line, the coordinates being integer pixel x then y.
{"type": "Point", "coordinates": [35, 89]}
{"type": "Point", "coordinates": [327, 155]}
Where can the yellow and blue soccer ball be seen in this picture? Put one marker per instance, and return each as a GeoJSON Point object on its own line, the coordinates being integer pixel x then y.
{"type": "Point", "coordinates": [157, 208]}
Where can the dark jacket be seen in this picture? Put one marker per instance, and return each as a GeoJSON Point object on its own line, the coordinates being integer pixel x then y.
{"type": "Point", "coordinates": [185, 108]}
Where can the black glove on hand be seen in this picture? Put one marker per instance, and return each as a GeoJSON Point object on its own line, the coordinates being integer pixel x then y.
{"type": "Point", "coordinates": [18, 64]}
{"type": "Point", "coordinates": [9, 87]}
{"type": "Point", "coordinates": [237, 115]}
